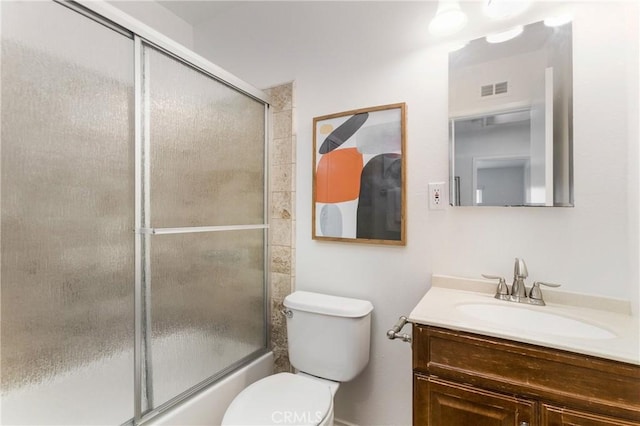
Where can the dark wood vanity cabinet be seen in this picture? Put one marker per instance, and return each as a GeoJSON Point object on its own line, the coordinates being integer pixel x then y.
{"type": "Point", "coordinates": [464, 379]}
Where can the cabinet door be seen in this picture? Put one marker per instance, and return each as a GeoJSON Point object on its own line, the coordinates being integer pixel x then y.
{"type": "Point", "coordinates": [441, 403]}
{"type": "Point", "coordinates": [554, 416]}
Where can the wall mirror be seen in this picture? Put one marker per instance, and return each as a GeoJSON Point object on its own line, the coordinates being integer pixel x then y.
{"type": "Point", "coordinates": [510, 120]}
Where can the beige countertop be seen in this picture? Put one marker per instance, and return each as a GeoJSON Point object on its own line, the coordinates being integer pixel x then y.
{"type": "Point", "coordinates": [616, 333]}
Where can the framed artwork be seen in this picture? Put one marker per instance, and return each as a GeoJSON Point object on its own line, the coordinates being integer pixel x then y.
{"type": "Point", "coordinates": [359, 174]}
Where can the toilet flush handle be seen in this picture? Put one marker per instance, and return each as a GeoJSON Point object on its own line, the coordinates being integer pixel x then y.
{"type": "Point", "coordinates": [287, 312]}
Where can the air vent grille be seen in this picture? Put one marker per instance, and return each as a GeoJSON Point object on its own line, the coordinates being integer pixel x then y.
{"type": "Point", "coordinates": [486, 90]}
{"type": "Point", "coordinates": [501, 87]}
{"type": "Point", "coordinates": [494, 89]}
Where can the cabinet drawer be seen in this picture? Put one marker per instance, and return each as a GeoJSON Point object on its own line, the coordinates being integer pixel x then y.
{"type": "Point", "coordinates": [554, 416]}
{"type": "Point", "coordinates": [442, 403]}
{"type": "Point", "coordinates": [580, 381]}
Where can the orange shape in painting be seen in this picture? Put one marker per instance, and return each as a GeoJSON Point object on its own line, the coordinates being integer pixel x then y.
{"type": "Point", "coordinates": [338, 176]}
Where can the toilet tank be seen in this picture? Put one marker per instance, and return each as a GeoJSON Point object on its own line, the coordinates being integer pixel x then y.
{"type": "Point", "coordinates": [328, 335]}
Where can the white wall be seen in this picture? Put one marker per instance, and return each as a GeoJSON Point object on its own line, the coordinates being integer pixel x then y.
{"type": "Point", "coordinates": [159, 18]}
{"type": "Point", "coordinates": [352, 55]}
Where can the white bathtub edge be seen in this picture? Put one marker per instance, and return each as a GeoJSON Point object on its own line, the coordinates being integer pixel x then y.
{"type": "Point", "coordinates": [339, 422]}
{"type": "Point", "coordinates": [207, 408]}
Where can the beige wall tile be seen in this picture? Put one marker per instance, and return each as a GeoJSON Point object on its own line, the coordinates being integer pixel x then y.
{"type": "Point", "coordinates": [294, 141]}
{"type": "Point", "coordinates": [281, 259]}
{"type": "Point", "coordinates": [281, 232]}
{"type": "Point", "coordinates": [281, 205]}
{"type": "Point", "coordinates": [292, 177]}
{"type": "Point", "coordinates": [279, 338]}
{"type": "Point", "coordinates": [281, 177]}
{"type": "Point", "coordinates": [281, 152]}
{"type": "Point", "coordinates": [282, 215]}
{"type": "Point", "coordinates": [282, 124]}
{"type": "Point", "coordinates": [293, 235]}
{"type": "Point", "coordinates": [292, 266]}
{"type": "Point", "coordinates": [281, 96]}
{"type": "Point", "coordinates": [280, 286]}
{"type": "Point", "coordinates": [292, 197]}
{"type": "Point", "coordinates": [294, 120]}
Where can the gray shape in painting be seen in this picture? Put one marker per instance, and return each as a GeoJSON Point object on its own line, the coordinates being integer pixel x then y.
{"type": "Point", "coordinates": [379, 138]}
{"type": "Point", "coordinates": [331, 221]}
{"type": "Point", "coordinates": [343, 132]}
{"type": "Point", "coordinates": [379, 214]}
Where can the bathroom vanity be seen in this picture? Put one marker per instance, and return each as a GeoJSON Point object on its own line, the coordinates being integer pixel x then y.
{"type": "Point", "coordinates": [472, 369]}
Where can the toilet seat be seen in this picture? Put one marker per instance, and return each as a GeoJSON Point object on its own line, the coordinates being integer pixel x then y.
{"type": "Point", "coordinates": [281, 399]}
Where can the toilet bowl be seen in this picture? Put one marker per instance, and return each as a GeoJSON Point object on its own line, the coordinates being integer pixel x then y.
{"type": "Point", "coordinates": [329, 339]}
{"type": "Point", "coordinates": [284, 399]}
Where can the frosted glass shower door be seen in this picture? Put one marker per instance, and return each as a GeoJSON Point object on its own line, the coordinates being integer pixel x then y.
{"type": "Point", "coordinates": [205, 215]}
{"type": "Point", "coordinates": [67, 208]}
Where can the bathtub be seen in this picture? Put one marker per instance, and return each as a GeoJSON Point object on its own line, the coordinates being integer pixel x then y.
{"type": "Point", "coordinates": [208, 406]}
{"type": "Point", "coordinates": [49, 403]}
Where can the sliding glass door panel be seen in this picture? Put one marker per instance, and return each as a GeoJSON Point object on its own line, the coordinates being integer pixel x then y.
{"type": "Point", "coordinates": [207, 306]}
{"type": "Point", "coordinates": [104, 319]}
{"type": "Point", "coordinates": [67, 204]}
{"type": "Point", "coordinates": [207, 148]}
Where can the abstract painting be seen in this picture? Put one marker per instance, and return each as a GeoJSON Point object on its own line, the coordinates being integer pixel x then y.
{"type": "Point", "coordinates": [359, 176]}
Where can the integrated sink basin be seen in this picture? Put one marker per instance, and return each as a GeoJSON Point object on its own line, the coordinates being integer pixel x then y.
{"type": "Point", "coordinates": [523, 317]}
{"type": "Point", "coordinates": [584, 324]}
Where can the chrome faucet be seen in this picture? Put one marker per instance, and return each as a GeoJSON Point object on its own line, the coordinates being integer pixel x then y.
{"type": "Point", "coordinates": [518, 292]}
{"type": "Point", "coordinates": [518, 289]}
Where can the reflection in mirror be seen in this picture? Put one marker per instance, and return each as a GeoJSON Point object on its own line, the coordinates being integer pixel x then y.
{"type": "Point", "coordinates": [510, 116]}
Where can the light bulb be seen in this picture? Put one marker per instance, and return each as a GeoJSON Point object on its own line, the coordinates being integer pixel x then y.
{"type": "Point", "coordinates": [448, 19]}
{"type": "Point", "coordinates": [502, 9]}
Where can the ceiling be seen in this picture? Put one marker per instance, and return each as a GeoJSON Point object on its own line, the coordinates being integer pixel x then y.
{"type": "Point", "coordinates": [196, 12]}
{"type": "Point", "coordinates": [200, 11]}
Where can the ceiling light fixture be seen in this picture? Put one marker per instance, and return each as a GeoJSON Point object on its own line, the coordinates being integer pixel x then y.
{"type": "Point", "coordinates": [503, 9]}
{"type": "Point", "coordinates": [505, 35]}
{"type": "Point", "coordinates": [449, 18]}
{"type": "Point", "coordinates": [556, 21]}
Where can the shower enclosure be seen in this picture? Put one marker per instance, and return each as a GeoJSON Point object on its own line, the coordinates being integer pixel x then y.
{"type": "Point", "coordinates": [134, 227]}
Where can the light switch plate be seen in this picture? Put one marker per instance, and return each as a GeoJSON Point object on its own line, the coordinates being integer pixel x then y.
{"type": "Point", "coordinates": [437, 196]}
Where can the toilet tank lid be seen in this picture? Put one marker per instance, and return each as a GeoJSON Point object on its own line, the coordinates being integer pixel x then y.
{"type": "Point", "coordinates": [328, 305]}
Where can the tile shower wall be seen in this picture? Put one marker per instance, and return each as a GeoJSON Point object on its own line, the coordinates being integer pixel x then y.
{"type": "Point", "coordinates": [282, 215]}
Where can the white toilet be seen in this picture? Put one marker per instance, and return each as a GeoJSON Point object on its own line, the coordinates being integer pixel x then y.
{"type": "Point", "coordinates": [328, 344]}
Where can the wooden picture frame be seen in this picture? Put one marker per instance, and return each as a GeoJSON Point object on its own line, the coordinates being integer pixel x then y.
{"type": "Point", "coordinates": [359, 176]}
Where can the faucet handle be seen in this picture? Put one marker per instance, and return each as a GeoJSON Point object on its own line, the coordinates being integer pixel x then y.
{"type": "Point", "coordinates": [535, 295]}
{"type": "Point", "coordinates": [502, 292]}
{"type": "Point", "coordinates": [493, 277]}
